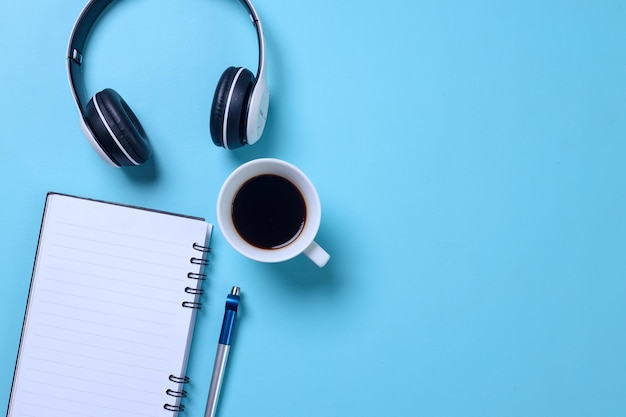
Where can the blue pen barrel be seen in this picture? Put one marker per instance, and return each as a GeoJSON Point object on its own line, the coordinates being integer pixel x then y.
{"type": "Point", "coordinates": [230, 317]}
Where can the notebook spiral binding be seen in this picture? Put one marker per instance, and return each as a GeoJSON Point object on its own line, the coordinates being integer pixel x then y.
{"type": "Point", "coordinates": [193, 275]}
{"type": "Point", "coordinates": [179, 393]}
{"type": "Point", "coordinates": [199, 261]}
{"type": "Point", "coordinates": [194, 291]}
{"type": "Point", "coordinates": [176, 393]}
{"type": "Point", "coordinates": [196, 275]}
{"type": "Point", "coordinates": [179, 380]}
{"type": "Point", "coordinates": [201, 248]}
{"type": "Point", "coordinates": [192, 304]}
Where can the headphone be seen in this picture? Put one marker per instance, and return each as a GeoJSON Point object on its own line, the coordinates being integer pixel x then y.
{"type": "Point", "coordinates": [238, 111]}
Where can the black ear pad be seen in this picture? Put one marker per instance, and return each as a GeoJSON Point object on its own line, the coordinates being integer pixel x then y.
{"type": "Point", "coordinates": [229, 111]}
{"type": "Point", "coordinates": [116, 129]}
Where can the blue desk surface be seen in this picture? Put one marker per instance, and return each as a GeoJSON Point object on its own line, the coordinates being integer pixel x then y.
{"type": "Point", "coordinates": [471, 162]}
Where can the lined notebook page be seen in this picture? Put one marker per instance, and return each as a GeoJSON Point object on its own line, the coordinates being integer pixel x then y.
{"type": "Point", "coordinates": [105, 326]}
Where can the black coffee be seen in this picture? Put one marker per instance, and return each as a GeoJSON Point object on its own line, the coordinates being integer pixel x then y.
{"type": "Point", "coordinates": [269, 211]}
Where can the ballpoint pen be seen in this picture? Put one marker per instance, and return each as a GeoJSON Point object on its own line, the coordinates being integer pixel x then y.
{"type": "Point", "coordinates": [223, 347]}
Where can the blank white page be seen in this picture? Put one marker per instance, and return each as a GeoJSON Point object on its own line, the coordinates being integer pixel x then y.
{"type": "Point", "coordinates": [105, 324]}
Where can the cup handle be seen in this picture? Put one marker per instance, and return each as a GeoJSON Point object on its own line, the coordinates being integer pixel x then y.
{"type": "Point", "coordinates": [318, 255]}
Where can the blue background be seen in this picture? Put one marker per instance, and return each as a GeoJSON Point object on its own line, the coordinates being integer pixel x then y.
{"type": "Point", "coordinates": [471, 162]}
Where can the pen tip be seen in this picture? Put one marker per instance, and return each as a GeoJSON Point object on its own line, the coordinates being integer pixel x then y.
{"type": "Point", "coordinates": [235, 291]}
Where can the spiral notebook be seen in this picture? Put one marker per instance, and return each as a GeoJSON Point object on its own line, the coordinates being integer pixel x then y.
{"type": "Point", "coordinates": [110, 311]}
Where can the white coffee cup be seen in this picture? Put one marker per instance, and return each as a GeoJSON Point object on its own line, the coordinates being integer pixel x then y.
{"type": "Point", "coordinates": [302, 242]}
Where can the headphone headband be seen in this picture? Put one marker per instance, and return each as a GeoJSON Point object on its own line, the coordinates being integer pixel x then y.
{"type": "Point", "coordinates": [86, 21]}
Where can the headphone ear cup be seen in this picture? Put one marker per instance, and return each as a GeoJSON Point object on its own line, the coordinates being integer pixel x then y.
{"type": "Point", "coordinates": [116, 129]}
{"type": "Point", "coordinates": [229, 110]}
